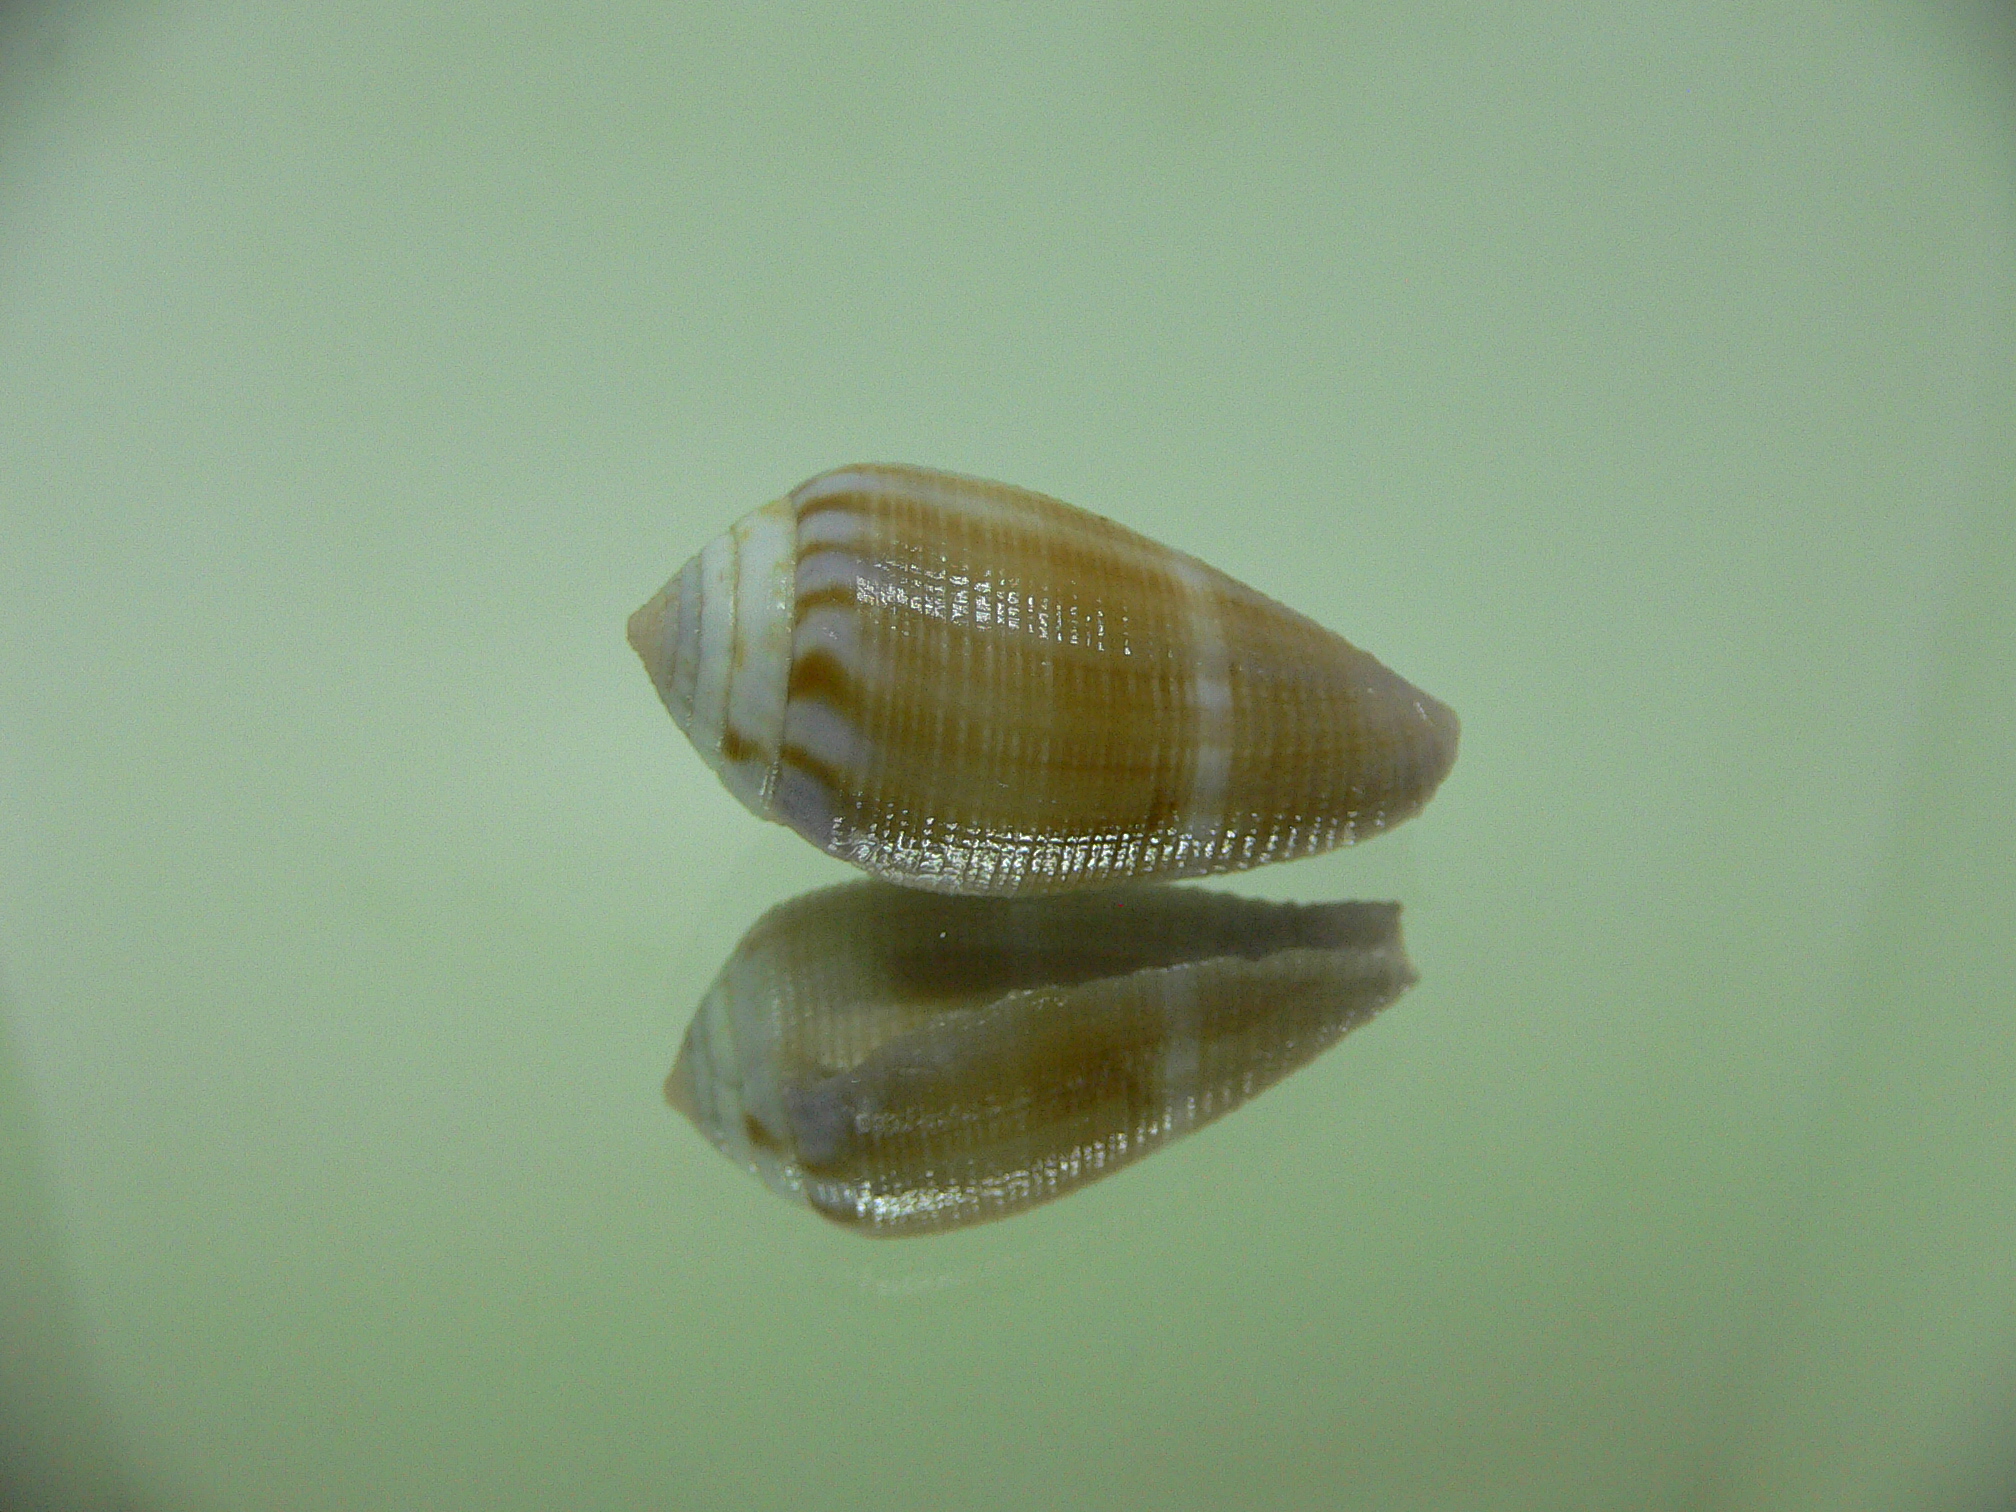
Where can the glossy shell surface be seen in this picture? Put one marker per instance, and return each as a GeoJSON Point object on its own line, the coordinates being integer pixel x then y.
{"type": "Point", "coordinates": [967, 687]}
{"type": "Point", "coordinates": [903, 1063]}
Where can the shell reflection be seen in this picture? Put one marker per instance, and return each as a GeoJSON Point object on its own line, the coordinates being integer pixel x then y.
{"type": "Point", "coordinates": [904, 1062]}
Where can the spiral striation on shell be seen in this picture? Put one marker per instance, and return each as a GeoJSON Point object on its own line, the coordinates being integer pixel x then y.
{"type": "Point", "coordinates": [967, 687]}
{"type": "Point", "coordinates": [903, 1063]}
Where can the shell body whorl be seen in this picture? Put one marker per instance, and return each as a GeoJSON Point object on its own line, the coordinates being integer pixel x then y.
{"type": "Point", "coordinates": [971, 688]}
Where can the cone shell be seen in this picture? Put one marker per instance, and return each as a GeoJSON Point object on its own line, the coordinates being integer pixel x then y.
{"type": "Point", "coordinates": [904, 1064]}
{"type": "Point", "coordinates": [970, 688]}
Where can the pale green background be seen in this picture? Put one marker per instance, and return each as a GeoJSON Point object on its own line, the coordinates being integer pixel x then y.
{"type": "Point", "coordinates": [1641, 380]}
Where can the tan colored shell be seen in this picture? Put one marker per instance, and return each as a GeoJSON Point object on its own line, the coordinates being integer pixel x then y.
{"type": "Point", "coordinates": [968, 687]}
{"type": "Point", "coordinates": [903, 1063]}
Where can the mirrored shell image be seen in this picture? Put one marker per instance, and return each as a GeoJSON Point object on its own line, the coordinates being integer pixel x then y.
{"type": "Point", "coordinates": [904, 1063]}
{"type": "Point", "coordinates": [966, 687]}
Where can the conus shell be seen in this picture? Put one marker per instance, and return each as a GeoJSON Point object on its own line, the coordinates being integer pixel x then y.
{"type": "Point", "coordinates": [967, 687]}
{"type": "Point", "coordinates": [904, 1063]}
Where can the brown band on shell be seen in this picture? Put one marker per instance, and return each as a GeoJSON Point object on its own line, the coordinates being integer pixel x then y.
{"type": "Point", "coordinates": [820, 674]}
{"type": "Point", "coordinates": [807, 765]}
{"type": "Point", "coordinates": [833, 596]}
{"type": "Point", "coordinates": [828, 503]}
{"type": "Point", "coordinates": [736, 746]}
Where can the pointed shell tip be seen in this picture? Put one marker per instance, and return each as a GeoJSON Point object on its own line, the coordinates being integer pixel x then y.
{"type": "Point", "coordinates": [646, 629]}
{"type": "Point", "coordinates": [679, 1087]}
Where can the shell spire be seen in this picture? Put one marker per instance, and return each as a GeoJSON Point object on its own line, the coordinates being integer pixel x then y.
{"type": "Point", "coordinates": [971, 688]}
{"type": "Point", "coordinates": [716, 640]}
